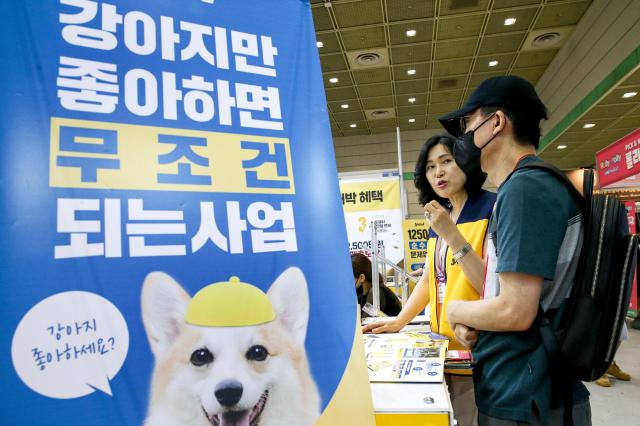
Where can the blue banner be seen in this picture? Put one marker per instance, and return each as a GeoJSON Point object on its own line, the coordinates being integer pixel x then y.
{"type": "Point", "coordinates": [174, 249]}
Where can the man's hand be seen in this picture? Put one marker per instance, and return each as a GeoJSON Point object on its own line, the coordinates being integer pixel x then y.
{"type": "Point", "coordinates": [466, 336]}
{"type": "Point", "coordinates": [451, 312]}
{"type": "Point", "coordinates": [382, 327]}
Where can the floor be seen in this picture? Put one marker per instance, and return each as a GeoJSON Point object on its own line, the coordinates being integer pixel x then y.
{"type": "Point", "coordinates": [620, 404]}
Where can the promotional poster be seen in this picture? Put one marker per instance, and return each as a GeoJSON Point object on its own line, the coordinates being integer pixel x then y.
{"type": "Point", "coordinates": [630, 206]}
{"type": "Point", "coordinates": [619, 160]}
{"type": "Point", "coordinates": [373, 201]}
{"type": "Point", "coordinates": [169, 205]}
{"type": "Point", "coordinates": [416, 234]}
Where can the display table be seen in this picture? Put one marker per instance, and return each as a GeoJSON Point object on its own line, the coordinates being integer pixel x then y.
{"type": "Point", "coordinates": [412, 404]}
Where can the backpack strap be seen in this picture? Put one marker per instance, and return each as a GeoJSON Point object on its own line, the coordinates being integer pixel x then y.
{"type": "Point", "coordinates": [551, 346]}
{"type": "Point", "coordinates": [587, 183]}
{"type": "Point", "coordinates": [547, 333]}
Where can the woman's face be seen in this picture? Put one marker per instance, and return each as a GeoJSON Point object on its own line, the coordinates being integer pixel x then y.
{"type": "Point", "coordinates": [443, 174]}
{"type": "Point", "coordinates": [359, 283]}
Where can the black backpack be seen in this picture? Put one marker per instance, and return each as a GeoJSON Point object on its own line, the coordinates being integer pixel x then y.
{"type": "Point", "coordinates": [585, 344]}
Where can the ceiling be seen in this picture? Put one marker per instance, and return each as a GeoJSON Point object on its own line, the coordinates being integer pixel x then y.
{"type": "Point", "coordinates": [449, 55]}
{"type": "Point", "coordinates": [614, 116]}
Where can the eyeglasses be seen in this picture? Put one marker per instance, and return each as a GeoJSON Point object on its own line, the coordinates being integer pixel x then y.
{"type": "Point", "coordinates": [463, 123]}
{"type": "Point", "coordinates": [466, 119]}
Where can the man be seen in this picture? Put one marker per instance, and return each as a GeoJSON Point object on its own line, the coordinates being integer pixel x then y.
{"type": "Point", "coordinates": [535, 237]}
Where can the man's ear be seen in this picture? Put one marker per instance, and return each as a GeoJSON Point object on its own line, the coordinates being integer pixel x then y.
{"type": "Point", "coordinates": [164, 304]}
{"type": "Point", "coordinates": [500, 123]}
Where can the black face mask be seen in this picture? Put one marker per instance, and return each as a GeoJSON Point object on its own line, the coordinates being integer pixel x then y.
{"type": "Point", "coordinates": [467, 154]}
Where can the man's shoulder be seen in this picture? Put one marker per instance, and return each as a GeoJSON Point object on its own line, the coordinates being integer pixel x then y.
{"type": "Point", "coordinates": [537, 186]}
{"type": "Point", "coordinates": [530, 178]}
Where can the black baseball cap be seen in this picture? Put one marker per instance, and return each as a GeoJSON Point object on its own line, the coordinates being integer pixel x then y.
{"type": "Point", "coordinates": [511, 92]}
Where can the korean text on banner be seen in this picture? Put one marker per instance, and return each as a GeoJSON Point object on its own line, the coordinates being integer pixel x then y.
{"type": "Point", "coordinates": [416, 232]}
{"type": "Point", "coordinates": [157, 219]}
{"type": "Point", "coordinates": [373, 202]}
{"type": "Point", "coordinates": [631, 217]}
{"type": "Point", "coordinates": [619, 160]}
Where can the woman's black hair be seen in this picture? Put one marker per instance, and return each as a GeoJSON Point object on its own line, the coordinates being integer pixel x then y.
{"type": "Point", "coordinates": [362, 265]}
{"type": "Point", "coordinates": [474, 182]}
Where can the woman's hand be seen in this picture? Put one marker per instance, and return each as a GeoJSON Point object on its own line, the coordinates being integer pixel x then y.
{"type": "Point", "coordinates": [417, 273]}
{"type": "Point", "coordinates": [439, 218]}
{"type": "Point", "coordinates": [383, 327]}
{"type": "Point", "coordinates": [442, 224]}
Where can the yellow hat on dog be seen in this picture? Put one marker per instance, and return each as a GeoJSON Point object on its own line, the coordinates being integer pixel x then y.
{"type": "Point", "coordinates": [230, 304]}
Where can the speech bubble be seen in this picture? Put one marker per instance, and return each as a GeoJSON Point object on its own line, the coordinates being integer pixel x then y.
{"type": "Point", "coordinates": [70, 344]}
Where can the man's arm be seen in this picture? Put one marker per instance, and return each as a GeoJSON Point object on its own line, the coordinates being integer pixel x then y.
{"type": "Point", "coordinates": [514, 309]}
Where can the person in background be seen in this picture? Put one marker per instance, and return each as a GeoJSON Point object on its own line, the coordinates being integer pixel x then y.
{"type": "Point", "coordinates": [389, 303]}
{"type": "Point", "coordinates": [614, 369]}
{"type": "Point", "coordinates": [458, 210]}
{"type": "Point", "coordinates": [535, 240]}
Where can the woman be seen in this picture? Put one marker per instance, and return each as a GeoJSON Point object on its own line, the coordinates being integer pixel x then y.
{"type": "Point", "coordinates": [389, 303]}
{"type": "Point", "coordinates": [458, 210]}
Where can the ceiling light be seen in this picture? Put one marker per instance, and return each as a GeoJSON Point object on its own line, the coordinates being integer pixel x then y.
{"type": "Point", "coordinates": [629, 95]}
{"type": "Point", "coordinates": [493, 63]}
{"type": "Point", "coordinates": [411, 72]}
{"type": "Point", "coordinates": [412, 100]}
{"type": "Point", "coordinates": [333, 80]}
{"type": "Point", "coordinates": [510, 21]}
{"type": "Point", "coordinates": [344, 106]}
{"type": "Point", "coordinates": [589, 125]}
{"type": "Point", "coordinates": [412, 120]}
{"type": "Point", "coordinates": [352, 125]}
{"type": "Point", "coordinates": [411, 33]}
{"type": "Point", "coordinates": [319, 44]}
{"type": "Point", "coordinates": [562, 146]}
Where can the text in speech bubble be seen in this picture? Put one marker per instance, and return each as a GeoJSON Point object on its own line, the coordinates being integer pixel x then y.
{"type": "Point", "coordinates": [70, 344]}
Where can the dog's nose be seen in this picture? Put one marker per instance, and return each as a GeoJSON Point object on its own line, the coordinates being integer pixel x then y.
{"type": "Point", "coordinates": [229, 392]}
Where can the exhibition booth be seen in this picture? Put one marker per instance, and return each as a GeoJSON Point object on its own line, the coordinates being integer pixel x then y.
{"type": "Point", "coordinates": [177, 235]}
{"type": "Point", "coordinates": [170, 208]}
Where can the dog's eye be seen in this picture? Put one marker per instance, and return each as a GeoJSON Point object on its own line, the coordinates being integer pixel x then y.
{"type": "Point", "coordinates": [257, 353]}
{"type": "Point", "coordinates": [201, 357]}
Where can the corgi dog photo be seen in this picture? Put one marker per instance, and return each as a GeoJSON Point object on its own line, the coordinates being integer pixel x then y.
{"type": "Point", "coordinates": [249, 368]}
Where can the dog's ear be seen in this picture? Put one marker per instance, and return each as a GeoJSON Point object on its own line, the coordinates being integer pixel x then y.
{"type": "Point", "coordinates": [290, 299]}
{"type": "Point", "coordinates": [164, 304]}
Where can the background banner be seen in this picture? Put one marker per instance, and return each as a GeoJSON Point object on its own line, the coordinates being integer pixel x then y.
{"type": "Point", "coordinates": [367, 201]}
{"type": "Point", "coordinates": [619, 160]}
{"type": "Point", "coordinates": [631, 218]}
{"type": "Point", "coordinates": [416, 232]}
{"type": "Point", "coordinates": [169, 208]}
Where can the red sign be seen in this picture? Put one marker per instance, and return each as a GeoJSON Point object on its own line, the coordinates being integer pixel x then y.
{"type": "Point", "coordinates": [631, 217]}
{"type": "Point", "coordinates": [619, 160]}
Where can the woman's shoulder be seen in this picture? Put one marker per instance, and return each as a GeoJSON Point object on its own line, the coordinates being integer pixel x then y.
{"type": "Point", "coordinates": [478, 207]}
{"type": "Point", "coordinates": [485, 196]}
